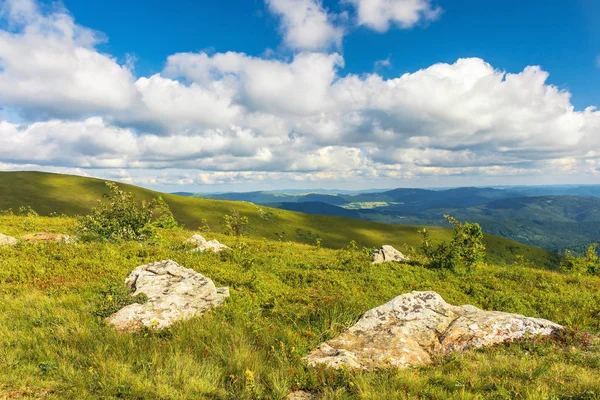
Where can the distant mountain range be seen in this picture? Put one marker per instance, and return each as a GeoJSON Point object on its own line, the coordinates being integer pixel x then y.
{"type": "Point", "coordinates": [553, 217]}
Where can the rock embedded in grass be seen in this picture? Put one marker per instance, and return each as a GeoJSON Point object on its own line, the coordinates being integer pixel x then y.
{"type": "Point", "coordinates": [388, 254]}
{"type": "Point", "coordinates": [41, 237]}
{"type": "Point", "coordinates": [174, 293]}
{"type": "Point", "coordinates": [196, 240]}
{"type": "Point", "coordinates": [202, 244]}
{"type": "Point", "coordinates": [7, 240]}
{"type": "Point", "coordinates": [414, 328]}
{"type": "Point", "coordinates": [301, 395]}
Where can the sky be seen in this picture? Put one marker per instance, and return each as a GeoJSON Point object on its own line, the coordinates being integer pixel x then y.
{"type": "Point", "coordinates": [193, 95]}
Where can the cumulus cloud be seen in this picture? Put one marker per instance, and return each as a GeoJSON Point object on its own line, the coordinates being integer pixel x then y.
{"type": "Point", "coordinates": [231, 118]}
{"type": "Point", "coordinates": [381, 14]}
{"type": "Point", "coordinates": [305, 24]}
{"type": "Point", "coordinates": [49, 64]}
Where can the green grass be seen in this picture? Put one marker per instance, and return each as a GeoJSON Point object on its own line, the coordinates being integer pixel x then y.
{"type": "Point", "coordinates": [286, 298]}
{"type": "Point", "coordinates": [55, 193]}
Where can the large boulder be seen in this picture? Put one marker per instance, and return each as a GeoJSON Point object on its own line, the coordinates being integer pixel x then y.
{"type": "Point", "coordinates": [7, 240]}
{"type": "Point", "coordinates": [174, 293]}
{"type": "Point", "coordinates": [413, 328]}
{"type": "Point", "coordinates": [388, 254]}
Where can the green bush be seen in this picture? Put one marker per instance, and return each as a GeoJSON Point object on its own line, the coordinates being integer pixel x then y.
{"type": "Point", "coordinates": [465, 250]}
{"type": "Point", "coordinates": [123, 217]}
{"type": "Point", "coordinates": [589, 264]}
{"type": "Point", "coordinates": [235, 224]}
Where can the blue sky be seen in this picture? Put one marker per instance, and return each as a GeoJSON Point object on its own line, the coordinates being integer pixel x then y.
{"type": "Point", "coordinates": [264, 94]}
{"type": "Point", "coordinates": [562, 36]}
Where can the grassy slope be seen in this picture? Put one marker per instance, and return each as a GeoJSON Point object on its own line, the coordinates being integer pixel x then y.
{"type": "Point", "coordinates": [48, 193]}
{"type": "Point", "coordinates": [285, 299]}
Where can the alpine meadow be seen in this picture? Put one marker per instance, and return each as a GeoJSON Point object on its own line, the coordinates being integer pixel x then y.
{"type": "Point", "coordinates": [299, 200]}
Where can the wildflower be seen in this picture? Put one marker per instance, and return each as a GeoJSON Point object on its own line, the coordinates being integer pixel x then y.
{"type": "Point", "coordinates": [109, 298]}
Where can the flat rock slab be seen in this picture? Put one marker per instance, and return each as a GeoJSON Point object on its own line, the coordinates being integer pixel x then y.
{"type": "Point", "coordinates": [41, 237]}
{"type": "Point", "coordinates": [7, 240]}
{"type": "Point", "coordinates": [413, 328]}
{"type": "Point", "coordinates": [174, 293]}
{"type": "Point", "coordinates": [203, 245]}
{"type": "Point", "coordinates": [388, 254]}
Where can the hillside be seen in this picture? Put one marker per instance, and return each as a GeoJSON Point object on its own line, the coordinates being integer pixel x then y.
{"type": "Point", "coordinates": [555, 223]}
{"type": "Point", "coordinates": [286, 298]}
{"type": "Point", "coordinates": [55, 193]}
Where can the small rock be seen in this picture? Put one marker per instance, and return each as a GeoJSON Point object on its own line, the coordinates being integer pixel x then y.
{"type": "Point", "coordinates": [212, 245]}
{"type": "Point", "coordinates": [47, 237]}
{"type": "Point", "coordinates": [7, 240]}
{"type": "Point", "coordinates": [301, 395]}
{"type": "Point", "coordinates": [174, 293]}
{"type": "Point", "coordinates": [414, 328]}
{"type": "Point", "coordinates": [388, 254]}
{"type": "Point", "coordinates": [196, 240]}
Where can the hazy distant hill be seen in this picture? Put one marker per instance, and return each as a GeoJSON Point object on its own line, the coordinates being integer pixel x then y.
{"type": "Point", "coordinates": [555, 223]}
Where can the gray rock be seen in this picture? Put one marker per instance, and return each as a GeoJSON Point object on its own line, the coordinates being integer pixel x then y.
{"type": "Point", "coordinates": [196, 240]}
{"type": "Point", "coordinates": [174, 293]}
{"type": "Point", "coordinates": [413, 328]}
{"type": "Point", "coordinates": [7, 240]}
{"type": "Point", "coordinates": [301, 395]}
{"type": "Point", "coordinates": [212, 245]}
{"type": "Point", "coordinates": [388, 254]}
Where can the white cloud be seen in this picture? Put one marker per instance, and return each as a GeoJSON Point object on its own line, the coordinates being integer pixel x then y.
{"type": "Point", "coordinates": [380, 14]}
{"type": "Point", "coordinates": [230, 118]}
{"type": "Point", "coordinates": [298, 87]}
{"type": "Point", "coordinates": [50, 64]}
{"type": "Point", "coordinates": [305, 24]}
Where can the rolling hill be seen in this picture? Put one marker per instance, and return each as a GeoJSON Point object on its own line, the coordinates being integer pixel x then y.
{"type": "Point", "coordinates": [554, 222]}
{"type": "Point", "coordinates": [55, 193]}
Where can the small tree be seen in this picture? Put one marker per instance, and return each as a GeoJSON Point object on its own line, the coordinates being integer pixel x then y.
{"type": "Point", "coordinates": [122, 217]}
{"type": "Point", "coordinates": [465, 250]}
{"type": "Point", "coordinates": [235, 224]}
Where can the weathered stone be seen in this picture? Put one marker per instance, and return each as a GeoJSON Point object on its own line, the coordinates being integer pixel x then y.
{"type": "Point", "coordinates": [47, 237]}
{"type": "Point", "coordinates": [301, 395]}
{"type": "Point", "coordinates": [196, 240]}
{"type": "Point", "coordinates": [388, 254]}
{"type": "Point", "coordinates": [212, 245]}
{"type": "Point", "coordinates": [414, 328]}
{"type": "Point", "coordinates": [7, 240]}
{"type": "Point", "coordinates": [174, 293]}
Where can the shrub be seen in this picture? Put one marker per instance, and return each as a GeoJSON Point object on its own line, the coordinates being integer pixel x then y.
{"type": "Point", "coordinates": [589, 264]}
{"type": "Point", "coordinates": [164, 215]}
{"type": "Point", "coordinates": [123, 217]}
{"type": "Point", "coordinates": [465, 250]}
{"type": "Point", "coordinates": [235, 224]}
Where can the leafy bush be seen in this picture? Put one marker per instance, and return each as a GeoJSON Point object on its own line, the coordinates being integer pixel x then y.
{"type": "Point", "coordinates": [589, 264]}
{"type": "Point", "coordinates": [465, 250]}
{"type": "Point", "coordinates": [123, 217]}
{"type": "Point", "coordinates": [235, 224]}
{"type": "Point", "coordinates": [164, 215]}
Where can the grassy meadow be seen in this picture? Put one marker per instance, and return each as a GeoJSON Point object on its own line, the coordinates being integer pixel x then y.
{"type": "Point", "coordinates": [286, 298]}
